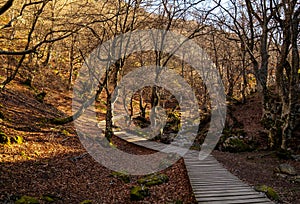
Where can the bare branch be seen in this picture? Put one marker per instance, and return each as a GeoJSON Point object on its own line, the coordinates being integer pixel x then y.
{"type": "Point", "coordinates": [6, 6]}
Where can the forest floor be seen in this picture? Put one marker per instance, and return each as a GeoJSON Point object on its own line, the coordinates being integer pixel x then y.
{"type": "Point", "coordinates": [257, 167]}
{"type": "Point", "coordinates": [52, 163]}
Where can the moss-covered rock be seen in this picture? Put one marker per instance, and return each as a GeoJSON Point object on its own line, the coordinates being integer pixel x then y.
{"type": "Point", "coordinates": [152, 180]}
{"type": "Point", "coordinates": [48, 199]}
{"type": "Point", "coordinates": [65, 132]}
{"type": "Point", "coordinates": [27, 200]}
{"type": "Point", "coordinates": [122, 176]}
{"type": "Point", "coordinates": [234, 144]}
{"type": "Point", "coordinates": [295, 179]}
{"type": "Point", "coordinates": [86, 202]}
{"type": "Point", "coordinates": [17, 139]}
{"type": "Point", "coordinates": [285, 169]}
{"type": "Point", "coordinates": [139, 192]}
{"type": "Point", "coordinates": [270, 192]}
{"type": "Point", "coordinates": [4, 139]}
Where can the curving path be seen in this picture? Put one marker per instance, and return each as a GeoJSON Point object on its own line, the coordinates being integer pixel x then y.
{"type": "Point", "coordinates": [211, 182]}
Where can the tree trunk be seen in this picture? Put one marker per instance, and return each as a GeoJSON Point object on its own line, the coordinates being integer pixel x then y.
{"type": "Point", "coordinates": [108, 118]}
{"type": "Point", "coordinates": [290, 109]}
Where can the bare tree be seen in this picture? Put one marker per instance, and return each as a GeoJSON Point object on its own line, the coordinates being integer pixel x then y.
{"type": "Point", "coordinates": [287, 18]}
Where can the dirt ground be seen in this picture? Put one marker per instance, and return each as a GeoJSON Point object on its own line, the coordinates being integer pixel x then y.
{"type": "Point", "coordinates": [257, 167]}
{"type": "Point", "coordinates": [51, 160]}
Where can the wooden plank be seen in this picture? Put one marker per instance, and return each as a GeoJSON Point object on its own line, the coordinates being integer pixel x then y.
{"type": "Point", "coordinates": [211, 181]}
{"type": "Point", "coordinates": [219, 189]}
{"type": "Point", "coordinates": [226, 194]}
{"type": "Point", "coordinates": [232, 190]}
{"type": "Point", "coordinates": [258, 201]}
{"type": "Point", "coordinates": [224, 198]}
{"type": "Point", "coordinates": [214, 182]}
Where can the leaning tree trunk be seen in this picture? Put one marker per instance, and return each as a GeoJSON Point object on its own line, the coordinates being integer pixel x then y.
{"type": "Point", "coordinates": [112, 84]}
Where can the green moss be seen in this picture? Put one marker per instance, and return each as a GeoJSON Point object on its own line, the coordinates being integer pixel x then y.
{"type": "Point", "coordinates": [235, 144]}
{"type": "Point", "coordinates": [152, 180]}
{"type": "Point", "coordinates": [27, 200]}
{"type": "Point", "coordinates": [65, 132]}
{"type": "Point", "coordinates": [48, 199]}
{"type": "Point", "coordinates": [86, 202]}
{"type": "Point", "coordinates": [270, 192]}
{"type": "Point", "coordinates": [122, 176]}
{"type": "Point", "coordinates": [17, 139]}
{"type": "Point", "coordinates": [139, 192]}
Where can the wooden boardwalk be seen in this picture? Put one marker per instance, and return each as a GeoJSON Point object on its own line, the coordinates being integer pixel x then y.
{"type": "Point", "coordinates": [211, 182]}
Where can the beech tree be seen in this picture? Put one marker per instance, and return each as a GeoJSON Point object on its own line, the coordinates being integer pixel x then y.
{"type": "Point", "coordinates": [287, 18]}
{"type": "Point", "coordinates": [265, 19]}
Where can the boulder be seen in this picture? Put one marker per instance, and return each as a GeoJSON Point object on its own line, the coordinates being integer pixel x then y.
{"type": "Point", "coordinates": [86, 202]}
{"type": "Point", "coordinates": [27, 200]}
{"type": "Point", "coordinates": [139, 192]}
{"type": "Point", "coordinates": [295, 157]}
{"type": "Point", "coordinates": [235, 144]}
{"type": "Point", "coordinates": [122, 176]}
{"type": "Point", "coordinates": [285, 169]}
{"type": "Point", "coordinates": [296, 179]}
{"type": "Point", "coordinates": [270, 192]}
{"type": "Point", "coordinates": [152, 180]}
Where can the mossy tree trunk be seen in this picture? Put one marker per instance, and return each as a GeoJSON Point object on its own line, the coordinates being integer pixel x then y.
{"type": "Point", "coordinates": [287, 82]}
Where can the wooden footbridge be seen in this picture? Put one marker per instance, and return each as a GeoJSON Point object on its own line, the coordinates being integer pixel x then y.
{"type": "Point", "coordinates": [210, 181]}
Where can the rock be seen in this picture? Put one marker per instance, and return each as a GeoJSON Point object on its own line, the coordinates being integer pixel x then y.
{"type": "Point", "coordinates": [285, 169]}
{"type": "Point", "coordinates": [122, 176]}
{"type": "Point", "coordinates": [139, 192]}
{"type": "Point", "coordinates": [295, 157]}
{"type": "Point", "coordinates": [295, 179]}
{"type": "Point", "coordinates": [234, 144]}
{"type": "Point", "coordinates": [27, 200]}
{"type": "Point", "coordinates": [270, 192]}
{"type": "Point", "coordinates": [152, 180]}
{"type": "Point", "coordinates": [281, 175]}
{"type": "Point", "coordinates": [250, 157]}
{"type": "Point", "coordinates": [48, 199]}
{"type": "Point", "coordinates": [17, 139]}
{"type": "Point", "coordinates": [86, 202]}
